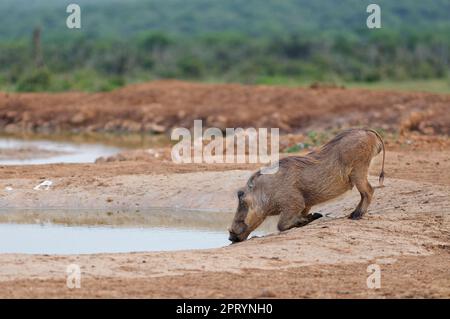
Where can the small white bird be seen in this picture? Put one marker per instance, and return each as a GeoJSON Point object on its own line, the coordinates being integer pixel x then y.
{"type": "Point", "coordinates": [44, 185]}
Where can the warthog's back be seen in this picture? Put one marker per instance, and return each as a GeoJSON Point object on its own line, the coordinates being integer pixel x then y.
{"type": "Point", "coordinates": [348, 147]}
{"type": "Point", "coordinates": [325, 173]}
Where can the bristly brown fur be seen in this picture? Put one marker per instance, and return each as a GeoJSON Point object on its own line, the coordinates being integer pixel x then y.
{"type": "Point", "coordinates": [304, 181]}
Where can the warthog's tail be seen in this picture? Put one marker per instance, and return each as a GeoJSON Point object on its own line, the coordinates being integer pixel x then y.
{"type": "Point", "coordinates": [381, 179]}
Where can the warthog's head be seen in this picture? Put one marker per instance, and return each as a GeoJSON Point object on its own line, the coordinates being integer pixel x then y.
{"type": "Point", "coordinates": [249, 214]}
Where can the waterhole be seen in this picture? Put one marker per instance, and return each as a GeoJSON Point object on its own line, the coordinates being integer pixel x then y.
{"type": "Point", "coordinates": [87, 232]}
{"type": "Point", "coordinates": [15, 151]}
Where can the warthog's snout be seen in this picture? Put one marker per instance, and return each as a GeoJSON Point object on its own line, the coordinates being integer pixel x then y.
{"type": "Point", "coordinates": [236, 238]}
{"type": "Point", "coordinates": [237, 233]}
{"type": "Point", "coordinates": [233, 238]}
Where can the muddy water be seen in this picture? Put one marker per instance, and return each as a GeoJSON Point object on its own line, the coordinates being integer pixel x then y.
{"type": "Point", "coordinates": [14, 151]}
{"type": "Point", "coordinates": [83, 232]}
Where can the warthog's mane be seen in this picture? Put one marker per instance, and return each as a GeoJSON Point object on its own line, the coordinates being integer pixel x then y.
{"type": "Point", "coordinates": [325, 152]}
{"type": "Point", "coordinates": [318, 155]}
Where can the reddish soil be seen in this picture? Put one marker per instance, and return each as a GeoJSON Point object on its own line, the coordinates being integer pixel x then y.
{"type": "Point", "coordinates": [159, 106]}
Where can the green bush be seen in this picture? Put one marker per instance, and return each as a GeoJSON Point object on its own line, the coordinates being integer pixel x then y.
{"type": "Point", "coordinates": [190, 67]}
{"type": "Point", "coordinates": [37, 80]}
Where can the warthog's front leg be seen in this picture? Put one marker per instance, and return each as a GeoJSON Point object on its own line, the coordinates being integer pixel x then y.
{"type": "Point", "coordinates": [295, 215]}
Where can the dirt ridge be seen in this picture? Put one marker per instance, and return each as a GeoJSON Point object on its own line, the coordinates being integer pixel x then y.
{"type": "Point", "coordinates": [161, 105]}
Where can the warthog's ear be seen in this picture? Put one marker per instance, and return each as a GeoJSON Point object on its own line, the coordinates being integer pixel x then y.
{"type": "Point", "coordinates": [251, 181]}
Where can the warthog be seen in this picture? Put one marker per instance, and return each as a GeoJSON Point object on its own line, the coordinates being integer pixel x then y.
{"type": "Point", "coordinates": [304, 181]}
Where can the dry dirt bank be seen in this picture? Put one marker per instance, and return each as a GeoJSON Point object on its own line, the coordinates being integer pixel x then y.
{"type": "Point", "coordinates": [328, 258]}
{"type": "Point", "coordinates": [158, 183]}
{"type": "Point", "coordinates": [159, 106]}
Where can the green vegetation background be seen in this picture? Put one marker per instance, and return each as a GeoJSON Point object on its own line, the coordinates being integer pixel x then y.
{"type": "Point", "coordinates": [252, 41]}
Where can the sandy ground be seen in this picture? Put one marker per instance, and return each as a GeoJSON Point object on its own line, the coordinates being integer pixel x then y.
{"type": "Point", "coordinates": [408, 227]}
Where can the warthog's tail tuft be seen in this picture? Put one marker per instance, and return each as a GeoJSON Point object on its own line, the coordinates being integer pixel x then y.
{"type": "Point", "coordinates": [381, 179]}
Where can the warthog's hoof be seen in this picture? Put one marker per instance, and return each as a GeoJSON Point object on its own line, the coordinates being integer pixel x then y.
{"type": "Point", "coordinates": [316, 216]}
{"type": "Point", "coordinates": [355, 215]}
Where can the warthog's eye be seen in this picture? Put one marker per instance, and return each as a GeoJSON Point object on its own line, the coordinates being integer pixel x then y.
{"type": "Point", "coordinates": [240, 194]}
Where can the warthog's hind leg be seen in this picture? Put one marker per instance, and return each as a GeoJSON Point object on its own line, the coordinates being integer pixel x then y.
{"type": "Point", "coordinates": [366, 192]}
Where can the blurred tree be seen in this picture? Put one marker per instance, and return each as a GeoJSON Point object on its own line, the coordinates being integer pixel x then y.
{"type": "Point", "coordinates": [37, 52]}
